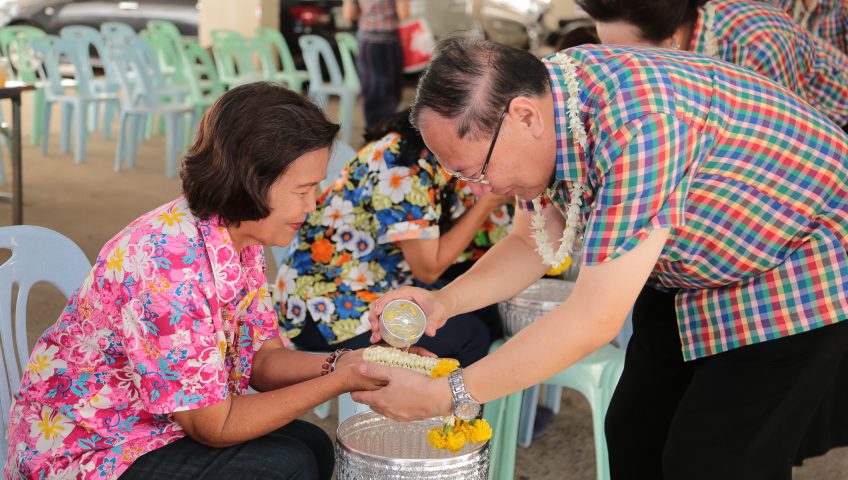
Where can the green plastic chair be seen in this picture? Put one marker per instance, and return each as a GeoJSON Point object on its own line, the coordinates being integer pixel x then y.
{"type": "Point", "coordinates": [167, 43]}
{"type": "Point", "coordinates": [204, 85]}
{"type": "Point", "coordinates": [348, 51]}
{"type": "Point", "coordinates": [594, 376]}
{"type": "Point", "coordinates": [279, 67]}
{"type": "Point", "coordinates": [15, 45]}
{"type": "Point", "coordinates": [235, 57]}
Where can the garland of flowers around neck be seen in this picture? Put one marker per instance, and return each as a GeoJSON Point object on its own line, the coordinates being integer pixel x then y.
{"type": "Point", "coordinates": [709, 30]}
{"type": "Point", "coordinates": [572, 214]}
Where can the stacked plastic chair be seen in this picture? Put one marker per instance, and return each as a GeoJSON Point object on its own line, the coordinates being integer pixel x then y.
{"type": "Point", "coordinates": [52, 50]}
{"type": "Point", "coordinates": [236, 57]}
{"type": "Point", "coordinates": [277, 62]}
{"type": "Point", "coordinates": [144, 93]}
{"type": "Point", "coordinates": [317, 51]}
{"type": "Point", "coordinates": [15, 45]}
{"type": "Point", "coordinates": [348, 51]}
{"type": "Point", "coordinates": [89, 39]}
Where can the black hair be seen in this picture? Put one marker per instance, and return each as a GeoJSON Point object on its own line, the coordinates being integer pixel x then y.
{"type": "Point", "coordinates": [247, 139]}
{"type": "Point", "coordinates": [472, 80]}
{"type": "Point", "coordinates": [656, 20]}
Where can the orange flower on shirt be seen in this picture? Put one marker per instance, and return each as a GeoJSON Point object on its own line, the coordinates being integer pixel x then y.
{"type": "Point", "coordinates": [322, 251]}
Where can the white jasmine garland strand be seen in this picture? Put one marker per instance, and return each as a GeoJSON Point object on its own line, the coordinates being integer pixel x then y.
{"type": "Point", "coordinates": [572, 215]}
{"type": "Point", "coordinates": [709, 30]}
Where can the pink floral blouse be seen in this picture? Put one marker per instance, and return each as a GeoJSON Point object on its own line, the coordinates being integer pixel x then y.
{"type": "Point", "coordinates": [145, 336]}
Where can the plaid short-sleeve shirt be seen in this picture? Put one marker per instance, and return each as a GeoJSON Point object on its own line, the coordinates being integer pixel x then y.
{"type": "Point", "coordinates": [751, 180]}
{"type": "Point", "coordinates": [764, 39]}
{"type": "Point", "coordinates": [828, 19]}
{"type": "Point", "coordinates": [377, 15]}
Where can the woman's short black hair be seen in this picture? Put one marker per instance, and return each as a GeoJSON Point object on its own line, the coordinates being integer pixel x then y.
{"type": "Point", "coordinates": [656, 20]}
{"type": "Point", "coordinates": [247, 139]}
{"type": "Point", "coordinates": [472, 80]}
{"type": "Point", "coordinates": [411, 144]}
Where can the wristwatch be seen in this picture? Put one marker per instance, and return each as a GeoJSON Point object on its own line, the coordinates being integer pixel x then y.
{"type": "Point", "coordinates": [464, 405]}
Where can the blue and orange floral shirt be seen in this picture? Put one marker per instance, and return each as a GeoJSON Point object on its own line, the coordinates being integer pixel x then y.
{"type": "Point", "coordinates": [346, 254]}
{"type": "Point", "coordinates": [145, 336]}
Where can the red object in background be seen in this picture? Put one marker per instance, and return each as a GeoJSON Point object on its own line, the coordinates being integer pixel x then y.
{"type": "Point", "coordinates": [310, 16]}
{"type": "Point", "coordinates": [418, 44]}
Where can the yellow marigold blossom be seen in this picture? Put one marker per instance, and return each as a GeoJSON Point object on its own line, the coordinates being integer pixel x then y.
{"type": "Point", "coordinates": [477, 430]}
{"type": "Point", "coordinates": [444, 367]}
{"type": "Point", "coordinates": [554, 271]}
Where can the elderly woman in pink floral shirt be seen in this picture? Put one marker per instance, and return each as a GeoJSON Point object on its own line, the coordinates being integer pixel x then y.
{"type": "Point", "coordinates": [143, 375]}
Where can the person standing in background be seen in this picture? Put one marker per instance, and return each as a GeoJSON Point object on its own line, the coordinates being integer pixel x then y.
{"type": "Point", "coordinates": [380, 60]}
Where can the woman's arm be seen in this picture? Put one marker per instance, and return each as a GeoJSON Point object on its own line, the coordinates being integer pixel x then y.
{"type": "Point", "coordinates": [428, 259]}
{"type": "Point", "coordinates": [239, 418]}
{"type": "Point", "coordinates": [350, 10]}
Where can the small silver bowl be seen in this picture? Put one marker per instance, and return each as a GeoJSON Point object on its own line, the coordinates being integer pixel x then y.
{"type": "Point", "coordinates": [536, 300]}
{"type": "Point", "coordinates": [402, 323]}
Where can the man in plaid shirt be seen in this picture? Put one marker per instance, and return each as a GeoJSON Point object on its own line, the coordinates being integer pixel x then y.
{"type": "Point", "coordinates": [723, 191]}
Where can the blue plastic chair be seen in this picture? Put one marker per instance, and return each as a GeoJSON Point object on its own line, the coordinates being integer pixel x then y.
{"type": "Point", "coordinates": [38, 255]}
{"type": "Point", "coordinates": [117, 32]}
{"type": "Point", "coordinates": [317, 51]}
{"type": "Point", "coordinates": [53, 50]}
{"type": "Point", "coordinates": [144, 92]}
{"type": "Point", "coordinates": [88, 39]}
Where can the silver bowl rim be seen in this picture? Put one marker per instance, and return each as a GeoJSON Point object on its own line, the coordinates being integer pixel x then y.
{"type": "Point", "coordinates": [465, 456]}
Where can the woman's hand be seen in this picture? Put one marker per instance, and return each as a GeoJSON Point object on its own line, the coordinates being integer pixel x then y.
{"type": "Point", "coordinates": [407, 396]}
{"type": "Point", "coordinates": [436, 309]}
{"type": "Point", "coordinates": [353, 380]}
{"type": "Point", "coordinates": [494, 201]}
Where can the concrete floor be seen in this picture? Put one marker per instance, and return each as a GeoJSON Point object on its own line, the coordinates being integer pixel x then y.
{"type": "Point", "coordinates": [90, 203]}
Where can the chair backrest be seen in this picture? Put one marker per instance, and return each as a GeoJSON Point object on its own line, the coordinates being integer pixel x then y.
{"type": "Point", "coordinates": [52, 52]}
{"type": "Point", "coordinates": [166, 42]}
{"type": "Point", "coordinates": [89, 40]}
{"type": "Point", "coordinates": [15, 45]}
{"type": "Point", "coordinates": [138, 72]}
{"type": "Point", "coordinates": [235, 55]}
{"type": "Point", "coordinates": [273, 37]}
{"type": "Point", "coordinates": [348, 51]}
{"type": "Point", "coordinates": [38, 255]}
{"type": "Point", "coordinates": [200, 71]}
{"type": "Point", "coordinates": [117, 32]}
{"type": "Point", "coordinates": [316, 50]}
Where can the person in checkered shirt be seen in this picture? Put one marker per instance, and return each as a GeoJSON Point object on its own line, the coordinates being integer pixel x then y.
{"type": "Point", "coordinates": [752, 34]}
{"type": "Point", "coordinates": [712, 198]}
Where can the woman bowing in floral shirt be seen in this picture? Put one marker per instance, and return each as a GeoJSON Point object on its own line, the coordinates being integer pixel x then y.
{"type": "Point", "coordinates": [393, 218]}
{"type": "Point", "coordinates": [144, 374]}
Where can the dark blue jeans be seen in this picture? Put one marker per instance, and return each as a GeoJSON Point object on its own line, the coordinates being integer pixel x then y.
{"type": "Point", "coordinates": [299, 450]}
{"type": "Point", "coordinates": [380, 68]}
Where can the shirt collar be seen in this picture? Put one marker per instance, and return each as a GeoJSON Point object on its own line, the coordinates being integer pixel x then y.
{"type": "Point", "coordinates": [570, 159]}
{"type": "Point", "coordinates": [228, 269]}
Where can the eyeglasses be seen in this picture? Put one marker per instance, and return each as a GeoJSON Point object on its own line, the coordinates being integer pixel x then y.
{"type": "Point", "coordinates": [481, 178]}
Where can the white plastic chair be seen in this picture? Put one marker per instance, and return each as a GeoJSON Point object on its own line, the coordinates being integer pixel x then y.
{"type": "Point", "coordinates": [144, 92]}
{"type": "Point", "coordinates": [53, 50]}
{"type": "Point", "coordinates": [38, 255]}
{"type": "Point", "coordinates": [316, 50]}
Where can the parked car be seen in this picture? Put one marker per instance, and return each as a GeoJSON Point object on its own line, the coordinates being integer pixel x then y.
{"type": "Point", "coordinates": [517, 23]}
{"type": "Point", "coordinates": [315, 17]}
{"type": "Point", "coordinates": [52, 15]}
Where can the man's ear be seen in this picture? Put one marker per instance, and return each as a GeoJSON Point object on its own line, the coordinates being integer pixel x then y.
{"type": "Point", "coordinates": [528, 112]}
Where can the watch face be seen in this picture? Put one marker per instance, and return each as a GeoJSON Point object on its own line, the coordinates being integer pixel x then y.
{"type": "Point", "coordinates": [467, 410]}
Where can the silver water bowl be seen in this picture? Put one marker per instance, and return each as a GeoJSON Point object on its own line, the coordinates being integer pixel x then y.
{"type": "Point", "coordinates": [536, 300]}
{"type": "Point", "coordinates": [370, 446]}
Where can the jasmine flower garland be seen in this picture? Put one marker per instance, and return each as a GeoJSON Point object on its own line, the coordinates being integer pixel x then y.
{"type": "Point", "coordinates": [572, 213]}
